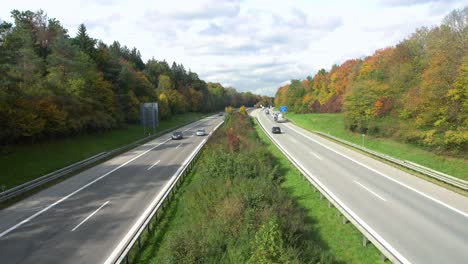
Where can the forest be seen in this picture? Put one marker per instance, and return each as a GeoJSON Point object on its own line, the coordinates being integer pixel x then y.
{"type": "Point", "coordinates": [53, 85]}
{"type": "Point", "coordinates": [415, 91]}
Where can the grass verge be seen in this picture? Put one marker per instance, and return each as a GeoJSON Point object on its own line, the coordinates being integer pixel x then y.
{"type": "Point", "coordinates": [334, 125]}
{"type": "Point", "coordinates": [343, 240]}
{"type": "Point", "coordinates": [25, 162]}
{"type": "Point", "coordinates": [232, 209]}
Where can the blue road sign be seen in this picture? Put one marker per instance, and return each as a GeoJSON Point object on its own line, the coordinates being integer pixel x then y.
{"type": "Point", "coordinates": [283, 109]}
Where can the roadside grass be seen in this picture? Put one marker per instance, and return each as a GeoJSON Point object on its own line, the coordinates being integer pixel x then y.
{"type": "Point", "coordinates": [220, 212]}
{"type": "Point", "coordinates": [168, 221]}
{"type": "Point", "coordinates": [343, 240]}
{"type": "Point", "coordinates": [334, 125]}
{"type": "Point", "coordinates": [24, 162]}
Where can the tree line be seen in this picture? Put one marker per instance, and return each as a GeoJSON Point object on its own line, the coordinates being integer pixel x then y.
{"type": "Point", "coordinates": [53, 85]}
{"type": "Point", "coordinates": [416, 91]}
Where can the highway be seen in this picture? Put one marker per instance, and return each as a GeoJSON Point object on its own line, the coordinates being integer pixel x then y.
{"type": "Point", "coordinates": [84, 218]}
{"type": "Point", "coordinates": [419, 221]}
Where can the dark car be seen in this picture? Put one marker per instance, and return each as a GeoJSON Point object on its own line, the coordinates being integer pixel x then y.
{"type": "Point", "coordinates": [220, 113]}
{"type": "Point", "coordinates": [276, 130]}
{"type": "Point", "coordinates": [177, 135]}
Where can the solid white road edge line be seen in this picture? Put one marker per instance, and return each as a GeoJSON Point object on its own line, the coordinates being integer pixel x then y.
{"type": "Point", "coordinates": [78, 190]}
{"type": "Point", "coordinates": [139, 221]}
{"type": "Point", "coordinates": [178, 146]}
{"type": "Point", "coordinates": [354, 215]}
{"type": "Point", "coordinates": [156, 163]}
{"type": "Point", "coordinates": [89, 216]}
{"type": "Point", "coordinates": [369, 190]}
{"type": "Point", "coordinates": [386, 176]}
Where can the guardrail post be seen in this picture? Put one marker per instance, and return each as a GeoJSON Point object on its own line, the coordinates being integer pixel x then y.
{"type": "Point", "coordinates": [383, 257]}
{"type": "Point", "coordinates": [139, 242]}
{"type": "Point", "coordinates": [364, 241]}
{"type": "Point", "coordinates": [329, 204]}
{"type": "Point", "coordinates": [126, 259]}
{"type": "Point", "coordinates": [321, 196]}
{"type": "Point", "coordinates": [345, 220]}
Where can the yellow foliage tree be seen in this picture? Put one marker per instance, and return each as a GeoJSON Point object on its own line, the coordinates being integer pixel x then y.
{"type": "Point", "coordinates": [243, 110]}
{"type": "Point", "coordinates": [228, 109]}
{"type": "Point", "coordinates": [163, 104]}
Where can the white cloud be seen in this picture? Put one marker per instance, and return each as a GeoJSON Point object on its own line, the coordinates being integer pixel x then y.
{"type": "Point", "coordinates": [253, 45]}
{"type": "Point", "coordinates": [413, 2]}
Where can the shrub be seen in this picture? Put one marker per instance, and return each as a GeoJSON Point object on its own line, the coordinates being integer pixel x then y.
{"type": "Point", "coordinates": [457, 140]}
{"type": "Point", "coordinates": [243, 110]}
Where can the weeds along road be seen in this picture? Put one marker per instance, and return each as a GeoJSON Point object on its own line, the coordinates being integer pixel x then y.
{"type": "Point", "coordinates": [84, 218]}
{"type": "Point", "coordinates": [419, 221]}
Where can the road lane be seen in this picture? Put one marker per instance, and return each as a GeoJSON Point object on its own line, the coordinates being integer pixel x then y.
{"type": "Point", "coordinates": [423, 223]}
{"type": "Point", "coordinates": [47, 238]}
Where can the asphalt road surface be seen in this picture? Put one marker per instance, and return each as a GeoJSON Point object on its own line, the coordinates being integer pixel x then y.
{"type": "Point", "coordinates": [84, 218]}
{"type": "Point", "coordinates": [420, 221]}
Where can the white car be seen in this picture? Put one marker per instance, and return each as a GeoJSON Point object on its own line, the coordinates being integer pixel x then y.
{"type": "Point", "coordinates": [200, 132]}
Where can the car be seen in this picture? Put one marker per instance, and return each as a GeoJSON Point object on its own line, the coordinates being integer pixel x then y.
{"type": "Point", "coordinates": [267, 112]}
{"type": "Point", "coordinates": [200, 132]}
{"type": "Point", "coordinates": [220, 113]}
{"type": "Point", "coordinates": [177, 135]}
{"type": "Point", "coordinates": [276, 130]}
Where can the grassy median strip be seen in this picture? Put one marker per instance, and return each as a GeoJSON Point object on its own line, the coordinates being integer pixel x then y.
{"type": "Point", "coordinates": [334, 125]}
{"type": "Point", "coordinates": [343, 240]}
{"type": "Point", "coordinates": [232, 208]}
{"type": "Point", "coordinates": [22, 163]}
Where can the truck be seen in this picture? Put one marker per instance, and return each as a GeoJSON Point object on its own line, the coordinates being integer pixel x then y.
{"type": "Point", "coordinates": [280, 118]}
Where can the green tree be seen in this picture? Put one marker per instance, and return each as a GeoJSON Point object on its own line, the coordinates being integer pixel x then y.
{"type": "Point", "coordinates": [85, 43]}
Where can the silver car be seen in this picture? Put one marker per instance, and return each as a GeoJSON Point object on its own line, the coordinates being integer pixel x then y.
{"type": "Point", "coordinates": [200, 132]}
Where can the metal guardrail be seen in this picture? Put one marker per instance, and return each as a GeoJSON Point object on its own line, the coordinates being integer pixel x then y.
{"type": "Point", "coordinates": [368, 234]}
{"type": "Point", "coordinates": [122, 251]}
{"type": "Point", "coordinates": [407, 164]}
{"type": "Point", "coordinates": [20, 189]}
{"type": "Point", "coordinates": [40, 181]}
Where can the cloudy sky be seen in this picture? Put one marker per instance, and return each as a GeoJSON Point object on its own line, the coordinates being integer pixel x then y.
{"type": "Point", "coordinates": [252, 45]}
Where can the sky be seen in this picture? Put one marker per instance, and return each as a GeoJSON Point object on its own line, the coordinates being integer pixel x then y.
{"type": "Point", "coordinates": [251, 45]}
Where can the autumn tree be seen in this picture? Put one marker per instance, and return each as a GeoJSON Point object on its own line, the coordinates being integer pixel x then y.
{"type": "Point", "coordinates": [54, 85]}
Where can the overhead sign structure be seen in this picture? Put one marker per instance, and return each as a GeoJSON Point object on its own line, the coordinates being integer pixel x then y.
{"type": "Point", "coordinates": [283, 109]}
{"type": "Point", "coordinates": [149, 117]}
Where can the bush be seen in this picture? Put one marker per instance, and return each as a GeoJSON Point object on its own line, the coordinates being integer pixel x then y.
{"type": "Point", "coordinates": [457, 140]}
{"type": "Point", "coordinates": [243, 110]}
